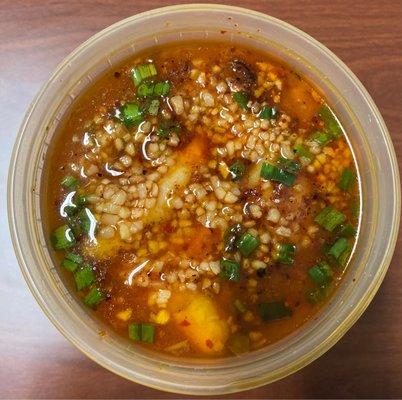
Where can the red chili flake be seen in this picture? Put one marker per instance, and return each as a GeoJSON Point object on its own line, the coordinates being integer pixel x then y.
{"type": "Point", "coordinates": [184, 323]}
{"type": "Point", "coordinates": [209, 343]}
{"type": "Point", "coordinates": [168, 228]}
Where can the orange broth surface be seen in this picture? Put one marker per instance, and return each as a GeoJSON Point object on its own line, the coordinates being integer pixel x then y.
{"type": "Point", "coordinates": [192, 218]}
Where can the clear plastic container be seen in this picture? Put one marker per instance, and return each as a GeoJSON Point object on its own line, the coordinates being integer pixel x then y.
{"type": "Point", "coordinates": [380, 188]}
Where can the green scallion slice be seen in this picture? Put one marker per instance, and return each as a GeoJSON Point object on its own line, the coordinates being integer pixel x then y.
{"type": "Point", "coordinates": [286, 253]}
{"type": "Point", "coordinates": [344, 257]}
{"type": "Point", "coordinates": [142, 72]}
{"type": "Point", "coordinates": [165, 130]}
{"type": "Point", "coordinates": [163, 133]}
{"type": "Point", "coordinates": [331, 123]}
{"type": "Point", "coordinates": [247, 244]}
{"type": "Point", "coordinates": [230, 270]}
{"type": "Point", "coordinates": [69, 182]}
{"type": "Point", "coordinates": [130, 114]}
{"type": "Point", "coordinates": [237, 170]}
{"type": "Point", "coordinates": [338, 248]}
{"type": "Point", "coordinates": [329, 218]}
{"type": "Point", "coordinates": [62, 238]}
{"type": "Point", "coordinates": [134, 332]}
{"type": "Point", "coordinates": [68, 207]}
{"type": "Point", "coordinates": [69, 265]}
{"type": "Point", "coordinates": [74, 257]}
{"type": "Point", "coordinates": [84, 277]}
{"type": "Point", "coordinates": [268, 113]}
{"type": "Point", "coordinates": [289, 165]}
{"type": "Point", "coordinates": [161, 88]}
{"type": "Point", "coordinates": [81, 200]}
{"type": "Point", "coordinates": [94, 297]}
{"type": "Point", "coordinates": [153, 107]}
{"type": "Point", "coordinates": [273, 310]}
{"type": "Point", "coordinates": [303, 152]}
{"type": "Point", "coordinates": [88, 221]}
{"type": "Point", "coordinates": [321, 138]}
{"type": "Point", "coordinates": [146, 89]}
{"type": "Point", "coordinates": [320, 274]}
{"type": "Point", "coordinates": [75, 226]}
{"type": "Point", "coordinates": [273, 173]}
{"type": "Point", "coordinates": [355, 208]}
{"type": "Point", "coordinates": [149, 89]}
{"type": "Point", "coordinates": [241, 99]}
{"type": "Point", "coordinates": [147, 333]}
{"type": "Point", "coordinates": [347, 231]}
{"type": "Point", "coordinates": [347, 180]}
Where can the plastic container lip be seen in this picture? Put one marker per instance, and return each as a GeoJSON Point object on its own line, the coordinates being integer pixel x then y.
{"type": "Point", "coordinates": [22, 203]}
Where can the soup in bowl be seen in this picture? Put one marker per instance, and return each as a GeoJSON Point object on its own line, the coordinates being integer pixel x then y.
{"type": "Point", "coordinates": [198, 209]}
{"type": "Point", "coordinates": [204, 199]}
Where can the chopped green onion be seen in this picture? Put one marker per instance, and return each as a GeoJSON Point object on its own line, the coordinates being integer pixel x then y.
{"type": "Point", "coordinates": [289, 165]}
{"type": "Point", "coordinates": [320, 274]}
{"type": "Point", "coordinates": [355, 208]}
{"type": "Point", "coordinates": [271, 172]}
{"type": "Point", "coordinates": [84, 277]}
{"type": "Point", "coordinates": [238, 343]}
{"type": "Point", "coordinates": [344, 257]}
{"type": "Point", "coordinates": [230, 270]}
{"type": "Point", "coordinates": [240, 306]}
{"type": "Point", "coordinates": [286, 253]}
{"type": "Point", "coordinates": [163, 133]}
{"type": "Point", "coordinates": [69, 265]}
{"type": "Point", "coordinates": [62, 238]}
{"type": "Point", "coordinates": [165, 130]}
{"type": "Point", "coordinates": [162, 88]}
{"type": "Point", "coordinates": [247, 244]}
{"type": "Point", "coordinates": [338, 248]}
{"type": "Point", "coordinates": [347, 231]}
{"type": "Point", "coordinates": [75, 226]}
{"type": "Point", "coordinates": [68, 207]}
{"type": "Point", "coordinates": [237, 170]}
{"type": "Point", "coordinates": [347, 180]}
{"type": "Point", "coordinates": [153, 107]}
{"type": "Point", "coordinates": [69, 182]}
{"type": "Point", "coordinates": [303, 153]}
{"type": "Point", "coordinates": [134, 332]}
{"type": "Point", "coordinates": [331, 123]}
{"type": "Point", "coordinates": [268, 113]}
{"type": "Point", "coordinates": [321, 138]}
{"type": "Point", "coordinates": [175, 128]}
{"type": "Point", "coordinates": [81, 200]}
{"type": "Point", "coordinates": [231, 236]}
{"type": "Point", "coordinates": [147, 333]}
{"type": "Point", "coordinates": [146, 89]}
{"type": "Point", "coordinates": [241, 99]}
{"type": "Point", "coordinates": [329, 218]}
{"type": "Point", "coordinates": [72, 204]}
{"type": "Point", "coordinates": [71, 261]}
{"type": "Point", "coordinates": [94, 297]}
{"type": "Point", "coordinates": [271, 311]}
{"type": "Point", "coordinates": [142, 72]}
{"type": "Point", "coordinates": [143, 332]}
{"type": "Point", "coordinates": [88, 221]}
{"type": "Point", "coordinates": [130, 114]}
{"type": "Point", "coordinates": [74, 258]}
